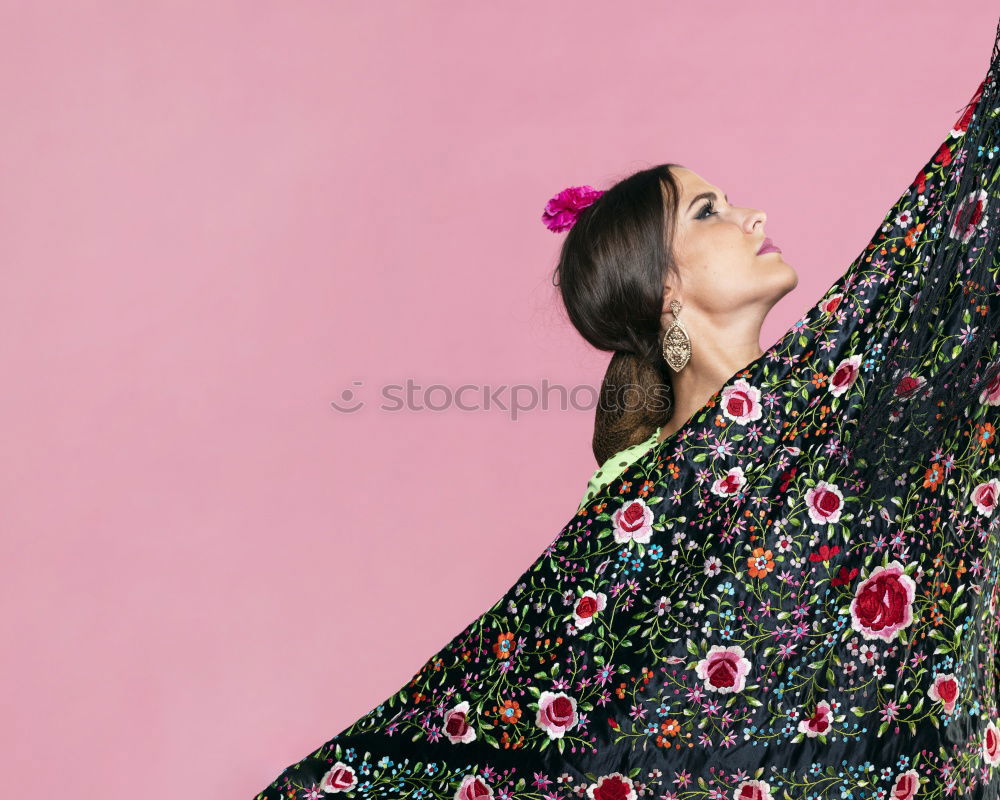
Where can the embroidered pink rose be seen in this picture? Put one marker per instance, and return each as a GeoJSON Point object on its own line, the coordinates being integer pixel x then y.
{"type": "Point", "coordinates": [556, 713]}
{"type": "Point", "coordinates": [945, 689]}
{"type": "Point", "coordinates": [339, 778]}
{"type": "Point", "coordinates": [906, 785]}
{"type": "Point", "coordinates": [587, 606]}
{"type": "Point", "coordinates": [819, 722]}
{"type": "Point", "coordinates": [830, 304]}
{"type": "Point", "coordinates": [633, 521]}
{"type": "Point", "coordinates": [844, 375]}
{"type": "Point", "coordinates": [753, 790]}
{"type": "Point", "coordinates": [741, 402]}
{"type": "Point", "coordinates": [730, 483]}
{"type": "Point", "coordinates": [883, 603]}
{"type": "Point", "coordinates": [824, 503]}
{"type": "Point", "coordinates": [908, 386]}
{"type": "Point", "coordinates": [991, 394]}
{"type": "Point", "coordinates": [473, 787]}
{"type": "Point", "coordinates": [612, 787]}
{"type": "Point", "coordinates": [991, 744]}
{"type": "Point", "coordinates": [724, 669]}
{"type": "Point", "coordinates": [984, 497]}
{"type": "Point", "coordinates": [456, 727]}
{"type": "Point", "coordinates": [970, 216]}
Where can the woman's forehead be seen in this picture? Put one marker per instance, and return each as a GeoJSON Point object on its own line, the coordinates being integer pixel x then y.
{"type": "Point", "coordinates": [692, 183]}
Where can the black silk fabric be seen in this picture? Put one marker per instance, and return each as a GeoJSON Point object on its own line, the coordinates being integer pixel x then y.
{"type": "Point", "coordinates": [794, 596]}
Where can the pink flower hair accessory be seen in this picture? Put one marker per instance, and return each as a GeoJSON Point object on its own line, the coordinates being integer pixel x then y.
{"type": "Point", "coordinates": [563, 209]}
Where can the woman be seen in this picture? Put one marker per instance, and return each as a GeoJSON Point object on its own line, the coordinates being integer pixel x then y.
{"type": "Point", "coordinates": [713, 262]}
{"type": "Point", "coordinates": [792, 591]}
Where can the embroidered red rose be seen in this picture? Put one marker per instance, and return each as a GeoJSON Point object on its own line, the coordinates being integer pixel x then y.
{"type": "Point", "coordinates": [824, 503]}
{"type": "Point", "coordinates": [612, 787]}
{"type": "Point", "coordinates": [556, 713]}
{"type": "Point", "coordinates": [730, 483]}
{"type": "Point", "coordinates": [588, 605]}
{"type": "Point", "coordinates": [473, 788]}
{"type": "Point", "coordinates": [906, 785]}
{"type": "Point", "coordinates": [634, 521]}
{"type": "Point", "coordinates": [339, 778]}
{"type": "Point", "coordinates": [724, 669]}
{"type": "Point", "coordinates": [830, 304]}
{"type": "Point", "coordinates": [456, 727]}
{"type": "Point", "coordinates": [844, 375]}
{"type": "Point", "coordinates": [991, 744]}
{"type": "Point", "coordinates": [984, 497]}
{"type": "Point", "coordinates": [819, 723]}
{"type": "Point", "coordinates": [883, 603]}
{"type": "Point", "coordinates": [970, 216]}
{"type": "Point", "coordinates": [753, 790]}
{"type": "Point", "coordinates": [741, 402]}
{"type": "Point", "coordinates": [991, 394]}
{"type": "Point", "coordinates": [945, 689]}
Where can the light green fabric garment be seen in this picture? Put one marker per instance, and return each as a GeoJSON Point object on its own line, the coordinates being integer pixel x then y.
{"type": "Point", "coordinates": [615, 466]}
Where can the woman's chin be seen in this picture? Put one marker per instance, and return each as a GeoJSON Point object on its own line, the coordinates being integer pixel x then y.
{"type": "Point", "coordinates": [780, 274]}
{"type": "Point", "coordinates": [793, 277]}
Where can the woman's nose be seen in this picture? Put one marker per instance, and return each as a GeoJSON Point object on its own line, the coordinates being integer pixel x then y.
{"type": "Point", "coordinates": [755, 217]}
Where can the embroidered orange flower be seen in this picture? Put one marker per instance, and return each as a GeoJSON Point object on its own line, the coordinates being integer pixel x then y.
{"type": "Point", "coordinates": [670, 728]}
{"type": "Point", "coordinates": [760, 563]}
{"type": "Point", "coordinates": [509, 712]}
{"type": "Point", "coordinates": [933, 476]}
{"type": "Point", "coordinates": [504, 647]}
{"type": "Point", "coordinates": [910, 239]}
{"type": "Point", "coordinates": [505, 740]}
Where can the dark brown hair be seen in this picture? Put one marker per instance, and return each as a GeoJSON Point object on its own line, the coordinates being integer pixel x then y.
{"type": "Point", "coordinates": [611, 271]}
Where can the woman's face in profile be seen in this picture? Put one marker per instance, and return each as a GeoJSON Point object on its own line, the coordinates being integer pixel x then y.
{"type": "Point", "coordinates": [715, 249]}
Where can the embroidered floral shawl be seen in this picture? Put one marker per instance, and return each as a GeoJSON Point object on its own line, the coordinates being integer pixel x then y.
{"type": "Point", "coordinates": [795, 596]}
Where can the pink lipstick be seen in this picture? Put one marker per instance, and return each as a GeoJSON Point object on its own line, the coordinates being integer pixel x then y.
{"type": "Point", "coordinates": [768, 247]}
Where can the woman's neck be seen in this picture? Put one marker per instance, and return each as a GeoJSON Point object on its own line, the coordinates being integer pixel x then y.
{"type": "Point", "coordinates": [714, 359]}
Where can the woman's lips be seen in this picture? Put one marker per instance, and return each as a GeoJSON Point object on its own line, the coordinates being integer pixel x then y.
{"type": "Point", "coordinates": [768, 247]}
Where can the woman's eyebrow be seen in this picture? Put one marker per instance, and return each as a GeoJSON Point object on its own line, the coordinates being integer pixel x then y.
{"type": "Point", "coordinates": [705, 195]}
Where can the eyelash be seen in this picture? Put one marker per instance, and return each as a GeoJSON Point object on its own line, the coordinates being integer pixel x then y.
{"type": "Point", "coordinates": [705, 208]}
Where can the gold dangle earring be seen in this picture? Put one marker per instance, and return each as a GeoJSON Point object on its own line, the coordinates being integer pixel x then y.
{"type": "Point", "coordinates": [676, 342]}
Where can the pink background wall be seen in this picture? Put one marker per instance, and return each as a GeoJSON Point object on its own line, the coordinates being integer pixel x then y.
{"type": "Point", "coordinates": [218, 215]}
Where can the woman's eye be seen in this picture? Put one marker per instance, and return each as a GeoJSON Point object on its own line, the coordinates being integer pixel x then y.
{"type": "Point", "coordinates": [704, 208]}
